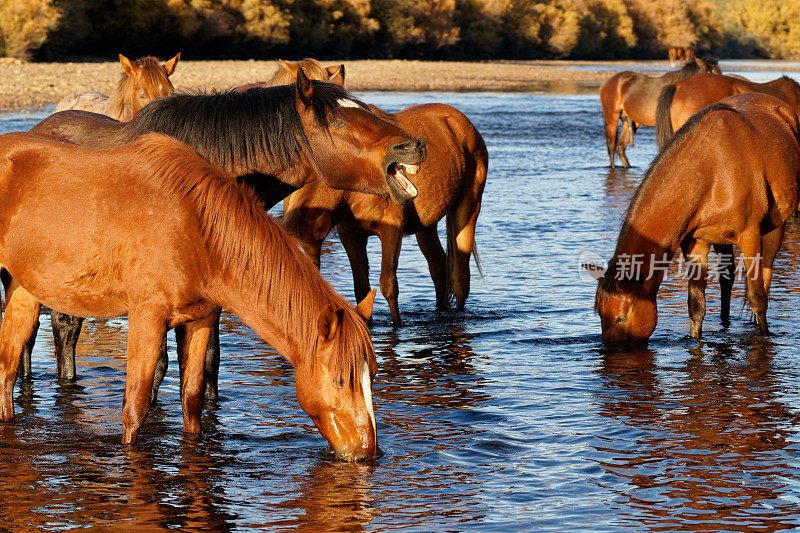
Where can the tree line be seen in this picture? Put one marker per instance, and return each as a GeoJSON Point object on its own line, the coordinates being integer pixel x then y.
{"type": "Point", "coordinates": [411, 29]}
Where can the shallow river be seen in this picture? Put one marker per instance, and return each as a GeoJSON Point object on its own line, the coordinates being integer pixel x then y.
{"type": "Point", "coordinates": [507, 416]}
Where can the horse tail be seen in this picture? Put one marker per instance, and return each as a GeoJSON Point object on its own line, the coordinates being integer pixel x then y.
{"type": "Point", "coordinates": [664, 131]}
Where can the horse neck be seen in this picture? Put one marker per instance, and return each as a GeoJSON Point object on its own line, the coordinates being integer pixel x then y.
{"type": "Point", "coordinates": [284, 310]}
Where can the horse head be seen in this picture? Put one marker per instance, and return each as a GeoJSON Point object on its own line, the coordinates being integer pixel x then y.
{"type": "Point", "coordinates": [347, 140]}
{"type": "Point", "coordinates": [143, 81]}
{"type": "Point", "coordinates": [334, 385]}
{"type": "Point", "coordinates": [628, 311]}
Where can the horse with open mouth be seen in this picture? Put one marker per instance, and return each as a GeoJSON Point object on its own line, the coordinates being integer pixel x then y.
{"type": "Point", "coordinates": [153, 231]}
{"type": "Point", "coordinates": [275, 139]}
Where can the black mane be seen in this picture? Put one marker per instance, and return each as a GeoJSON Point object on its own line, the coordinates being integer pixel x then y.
{"type": "Point", "coordinates": [690, 68]}
{"type": "Point", "coordinates": [251, 129]}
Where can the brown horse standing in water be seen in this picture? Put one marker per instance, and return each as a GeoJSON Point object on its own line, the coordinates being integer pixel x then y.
{"type": "Point", "coordinates": [168, 241]}
{"type": "Point", "coordinates": [143, 81]}
{"type": "Point", "coordinates": [274, 139]}
{"type": "Point", "coordinates": [729, 176]}
{"type": "Point", "coordinates": [680, 100]}
{"type": "Point", "coordinates": [451, 184]}
{"type": "Point", "coordinates": [632, 98]}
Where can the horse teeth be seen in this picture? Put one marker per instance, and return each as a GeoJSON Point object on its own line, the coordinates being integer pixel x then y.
{"type": "Point", "coordinates": [411, 169]}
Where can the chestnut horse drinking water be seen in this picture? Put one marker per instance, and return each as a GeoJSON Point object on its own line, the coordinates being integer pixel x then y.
{"type": "Point", "coordinates": [276, 139]}
{"type": "Point", "coordinates": [729, 176]}
{"type": "Point", "coordinates": [632, 97]}
{"type": "Point", "coordinates": [154, 231]}
{"type": "Point", "coordinates": [143, 81]}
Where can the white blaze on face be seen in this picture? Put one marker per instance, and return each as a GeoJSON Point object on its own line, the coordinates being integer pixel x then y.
{"type": "Point", "coordinates": [366, 388]}
{"type": "Point", "coordinates": [346, 102]}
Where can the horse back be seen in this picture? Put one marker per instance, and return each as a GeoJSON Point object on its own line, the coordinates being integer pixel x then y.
{"type": "Point", "coordinates": [82, 127]}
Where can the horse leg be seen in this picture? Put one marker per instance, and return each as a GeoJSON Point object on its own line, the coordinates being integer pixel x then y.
{"type": "Point", "coordinates": [625, 138]}
{"type": "Point", "coordinates": [22, 312]}
{"type": "Point", "coordinates": [770, 245]}
{"type": "Point", "coordinates": [212, 363]}
{"type": "Point", "coordinates": [461, 223]}
{"type": "Point", "coordinates": [24, 372]}
{"type": "Point", "coordinates": [750, 244]}
{"type": "Point", "coordinates": [611, 119]}
{"type": "Point", "coordinates": [431, 247]}
{"type": "Point", "coordinates": [193, 341]}
{"type": "Point", "coordinates": [727, 275]}
{"type": "Point", "coordinates": [355, 245]}
{"type": "Point", "coordinates": [66, 329]}
{"type": "Point", "coordinates": [161, 369]}
{"type": "Point", "coordinates": [146, 330]}
{"type": "Point", "coordinates": [391, 239]}
{"type": "Point", "coordinates": [696, 252]}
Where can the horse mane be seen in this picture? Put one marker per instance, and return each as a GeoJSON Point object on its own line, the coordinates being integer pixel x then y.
{"type": "Point", "coordinates": [243, 237]}
{"type": "Point", "coordinates": [313, 69]}
{"type": "Point", "coordinates": [126, 98]}
{"type": "Point", "coordinates": [253, 128]}
{"type": "Point", "coordinates": [606, 286]}
{"type": "Point", "coordinates": [690, 68]}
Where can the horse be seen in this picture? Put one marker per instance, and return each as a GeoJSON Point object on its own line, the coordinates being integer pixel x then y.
{"type": "Point", "coordinates": [142, 81]}
{"type": "Point", "coordinates": [729, 176]}
{"type": "Point", "coordinates": [677, 54]}
{"type": "Point", "coordinates": [286, 73]}
{"type": "Point", "coordinates": [451, 184]}
{"type": "Point", "coordinates": [631, 97]}
{"type": "Point", "coordinates": [274, 139]}
{"type": "Point", "coordinates": [680, 100]}
{"type": "Point", "coordinates": [154, 231]}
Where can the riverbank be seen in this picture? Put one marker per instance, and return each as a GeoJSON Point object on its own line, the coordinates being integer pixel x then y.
{"type": "Point", "coordinates": [33, 86]}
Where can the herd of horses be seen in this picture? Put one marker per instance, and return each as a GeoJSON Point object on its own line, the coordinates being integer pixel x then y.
{"type": "Point", "coordinates": [726, 175]}
{"type": "Point", "coordinates": [161, 203]}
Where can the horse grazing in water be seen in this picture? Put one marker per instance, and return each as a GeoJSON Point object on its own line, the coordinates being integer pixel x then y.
{"type": "Point", "coordinates": [275, 139]}
{"type": "Point", "coordinates": [632, 98]}
{"type": "Point", "coordinates": [680, 100]}
{"type": "Point", "coordinates": [154, 231]}
{"type": "Point", "coordinates": [451, 183]}
{"type": "Point", "coordinates": [142, 81]}
{"type": "Point", "coordinates": [729, 176]}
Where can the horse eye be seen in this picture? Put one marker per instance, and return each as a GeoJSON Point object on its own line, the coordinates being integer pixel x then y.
{"type": "Point", "coordinates": [336, 120]}
{"type": "Point", "coordinates": [622, 318]}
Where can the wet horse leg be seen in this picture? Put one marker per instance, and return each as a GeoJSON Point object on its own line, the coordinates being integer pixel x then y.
{"type": "Point", "coordinates": [193, 341]}
{"type": "Point", "coordinates": [626, 137]}
{"type": "Point", "coordinates": [461, 223]}
{"type": "Point", "coordinates": [22, 312]}
{"type": "Point", "coordinates": [355, 245]}
{"type": "Point", "coordinates": [66, 329]}
{"type": "Point", "coordinates": [24, 373]}
{"type": "Point", "coordinates": [611, 120]}
{"type": "Point", "coordinates": [431, 247]}
{"type": "Point", "coordinates": [770, 246]}
{"type": "Point", "coordinates": [696, 252]}
{"type": "Point", "coordinates": [750, 244]}
{"type": "Point", "coordinates": [391, 239]}
{"type": "Point", "coordinates": [146, 329]}
{"type": "Point", "coordinates": [727, 275]}
{"type": "Point", "coordinates": [212, 363]}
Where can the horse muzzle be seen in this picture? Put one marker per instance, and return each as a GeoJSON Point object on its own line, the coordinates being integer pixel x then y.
{"type": "Point", "coordinates": [351, 440]}
{"type": "Point", "coordinates": [401, 161]}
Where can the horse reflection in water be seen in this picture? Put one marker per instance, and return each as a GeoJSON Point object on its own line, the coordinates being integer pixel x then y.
{"type": "Point", "coordinates": [685, 430]}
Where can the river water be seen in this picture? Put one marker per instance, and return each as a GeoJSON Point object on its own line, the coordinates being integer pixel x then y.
{"type": "Point", "coordinates": [507, 416]}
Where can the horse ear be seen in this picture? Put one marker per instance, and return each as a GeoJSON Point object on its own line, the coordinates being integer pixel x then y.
{"type": "Point", "coordinates": [305, 90]}
{"type": "Point", "coordinates": [128, 66]}
{"type": "Point", "coordinates": [289, 66]}
{"type": "Point", "coordinates": [328, 323]}
{"type": "Point", "coordinates": [336, 75]}
{"type": "Point", "coordinates": [364, 307]}
{"type": "Point", "coordinates": [170, 65]}
{"type": "Point", "coordinates": [596, 271]}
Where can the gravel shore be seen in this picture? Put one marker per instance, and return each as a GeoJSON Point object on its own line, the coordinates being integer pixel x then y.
{"type": "Point", "coordinates": [33, 86]}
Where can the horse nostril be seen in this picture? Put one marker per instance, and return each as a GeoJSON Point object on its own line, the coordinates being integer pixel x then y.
{"type": "Point", "coordinates": [406, 146]}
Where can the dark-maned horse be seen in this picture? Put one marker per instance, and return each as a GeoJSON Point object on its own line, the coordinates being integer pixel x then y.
{"type": "Point", "coordinates": [451, 184]}
{"type": "Point", "coordinates": [275, 139]}
{"type": "Point", "coordinates": [153, 231]}
{"type": "Point", "coordinates": [142, 81]}
{"type": "Point", "coordinates": [729, 176]}
{"type": "Point", "coordinates": [632, 98]}
{"type": "Point", "coordinates": [680, 100]}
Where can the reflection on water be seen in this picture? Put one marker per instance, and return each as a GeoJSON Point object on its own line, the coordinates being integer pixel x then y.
{"type": "Point", "coordinates": [508, 416]}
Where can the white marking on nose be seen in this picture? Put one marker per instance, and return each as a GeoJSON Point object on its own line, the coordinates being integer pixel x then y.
{"type": "Point", "coordinates": [366, 387]}
{"type": "Point", "coordinates": [345, 102]}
